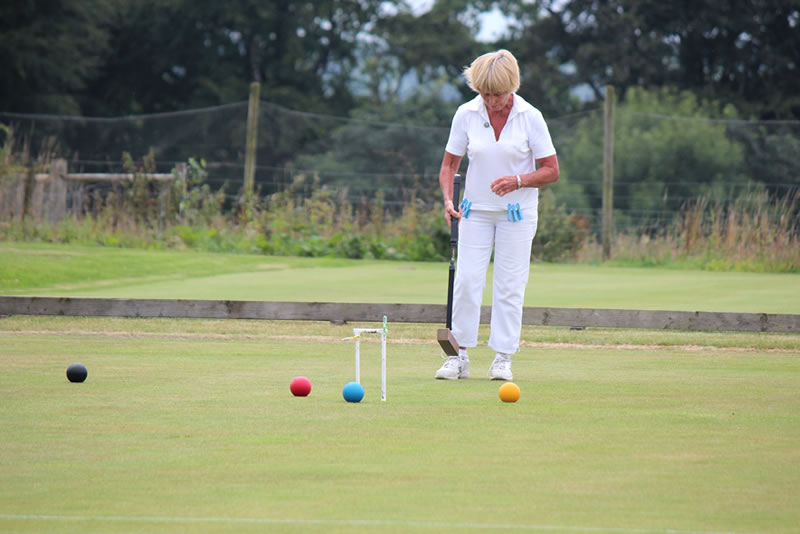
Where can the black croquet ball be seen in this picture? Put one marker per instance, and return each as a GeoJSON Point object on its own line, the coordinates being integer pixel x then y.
{"type": "Point", "coordinates": [76, 372]}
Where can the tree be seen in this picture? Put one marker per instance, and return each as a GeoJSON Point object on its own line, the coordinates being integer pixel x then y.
{"type": "Point", "coordinates": [49, 50]}
{"type": "Point", "coordinates": [186, 53]}
{"type": "Point", "coordinates": [440, 42]}
{"type": "Point", "coordinates": [666, 152]}
{"type": "Point", "coordinates": [156, 64]}
{"type": "Point", "coordinates": [537, 39]}
{"type": "Point", "coordinates": [743, 52]}
{"type": "Point", "coordinates": [746, 52]}
{"type": "Point", "coordinates": [375, 151]}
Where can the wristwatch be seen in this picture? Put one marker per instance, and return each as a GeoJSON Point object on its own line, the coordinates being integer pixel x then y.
{"type": "Point", "coordinates": [519, 182]}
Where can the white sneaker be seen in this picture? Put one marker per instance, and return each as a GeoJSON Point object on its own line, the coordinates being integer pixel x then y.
{"type": "Point", "coordinates": [453, 368]}
{"type": "Point", "coordinates": [501, 368]}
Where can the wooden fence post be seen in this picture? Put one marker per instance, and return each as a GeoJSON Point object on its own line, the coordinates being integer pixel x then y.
{"type": "Point", "coordinates": [252, 139]}
{"type": "Point", "coordinates": [181, 170]}
{"type": "Point", "coordinates": [179, 174]}
{"type": "Point", "coordinates": [27, 192]}
{"type": "Point", "coordinates": [608, 170]}
{"type": "Point", "coordinates": [56, 198]}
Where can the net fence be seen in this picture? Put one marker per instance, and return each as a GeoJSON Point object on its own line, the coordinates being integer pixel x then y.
{"type": "Point", "coordinates": [661, 162]}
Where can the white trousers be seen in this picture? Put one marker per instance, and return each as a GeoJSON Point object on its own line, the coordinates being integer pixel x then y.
{"type": "Point", "coordinates": [512, 242]}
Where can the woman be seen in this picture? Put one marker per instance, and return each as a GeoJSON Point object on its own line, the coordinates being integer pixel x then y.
{"type": "Point", "coordinates": [510, 156]}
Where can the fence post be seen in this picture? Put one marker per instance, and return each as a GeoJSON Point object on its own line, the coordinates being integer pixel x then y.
{"type": "Point", "coordinates": [53, 192]}
{"type": "Point", "coordinates": [252, 139]}
{"type": "Point", "coordinates": [608, 170]}
{"type": "Point", "coordinates": [180, 172]}
{"type": "Point", "coordinates": [27, 193]}
{"type": "Point", "coordinates": [60, 189]}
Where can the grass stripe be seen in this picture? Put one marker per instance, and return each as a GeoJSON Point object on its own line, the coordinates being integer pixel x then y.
{"type": "Point", "coordinates": [354, 522]}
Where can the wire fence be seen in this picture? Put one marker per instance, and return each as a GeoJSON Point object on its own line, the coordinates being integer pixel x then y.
{"type": "Point", "coordinates": [662, 162]}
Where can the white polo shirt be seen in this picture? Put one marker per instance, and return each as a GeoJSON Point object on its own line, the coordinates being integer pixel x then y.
{"type": "Point", "coordinates": [523, 140]}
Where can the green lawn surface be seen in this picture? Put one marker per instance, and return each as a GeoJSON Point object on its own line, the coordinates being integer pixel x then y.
{"type": "Point", "coordinates": [56, 270]}
{"type": "Point", "coordinates": [189, 426]}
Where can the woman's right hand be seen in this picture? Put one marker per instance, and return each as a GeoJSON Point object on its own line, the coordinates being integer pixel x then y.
{"type": "Point", "coordinates": [450, 211]}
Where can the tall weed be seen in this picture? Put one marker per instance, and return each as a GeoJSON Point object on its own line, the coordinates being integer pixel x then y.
{"type": "Point", "coordinates": [753, 232]}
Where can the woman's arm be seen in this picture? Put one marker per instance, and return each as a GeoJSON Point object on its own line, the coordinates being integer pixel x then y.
{"type": "Point", "coordinates": [547, 172]}
{"type": "Point", "coordinates": [450, 165]}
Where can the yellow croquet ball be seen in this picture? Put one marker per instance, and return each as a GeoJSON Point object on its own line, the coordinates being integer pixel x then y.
{"type": "Point", "coordinates": [509, 392]}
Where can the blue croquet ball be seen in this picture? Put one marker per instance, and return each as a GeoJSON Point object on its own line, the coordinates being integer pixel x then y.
{"type": "Point", "coordinates": [76, 372]}
{"type": "Point", "coordinates": [353, 392]}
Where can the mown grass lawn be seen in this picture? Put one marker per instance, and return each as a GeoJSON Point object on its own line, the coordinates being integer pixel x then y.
{"type": "Point", "coordinates": [53, 270]}
{"type": "Point", "coordinates": [189, 426]}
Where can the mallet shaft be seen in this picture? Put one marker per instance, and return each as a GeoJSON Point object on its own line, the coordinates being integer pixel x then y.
{"type": "Point", "coordinates": [453, 250]}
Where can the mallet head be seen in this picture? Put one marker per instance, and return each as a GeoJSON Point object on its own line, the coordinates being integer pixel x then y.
{"type": "Point", "coordinates": [446, 340]}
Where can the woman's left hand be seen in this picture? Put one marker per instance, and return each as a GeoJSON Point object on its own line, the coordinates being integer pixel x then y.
{"type": "Point", "coordinates": [504, 185]}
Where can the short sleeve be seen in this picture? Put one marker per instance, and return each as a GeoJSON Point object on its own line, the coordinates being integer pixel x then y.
{"type": "Point", "coordinates": [458, 140]}
{"type": "Point", "coordinates": [539, 137]}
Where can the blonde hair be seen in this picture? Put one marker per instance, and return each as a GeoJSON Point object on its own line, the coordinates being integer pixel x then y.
{"type": "Point", "coordinates": [495, 72]}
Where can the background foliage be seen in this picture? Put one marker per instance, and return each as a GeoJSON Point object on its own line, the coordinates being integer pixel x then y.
{"type": "Point", "coordinates": [118, 57]}
{"type": "Point", "coordinates": [356, 103]}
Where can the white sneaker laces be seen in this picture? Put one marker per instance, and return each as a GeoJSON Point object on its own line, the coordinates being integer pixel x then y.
{"type": "Point", "coordinates": [451, 361]}
{"type": "Point", "coordinates": [500, 362]}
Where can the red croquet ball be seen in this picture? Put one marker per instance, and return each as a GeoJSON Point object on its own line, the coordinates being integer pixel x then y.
{"type": "Point", "coordinates": [300, 386]}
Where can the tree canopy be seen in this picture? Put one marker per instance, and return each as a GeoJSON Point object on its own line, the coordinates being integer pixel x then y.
{"type": "Point", "coordinates": [119, 57]}
{"type": "Point", "coordinates": [742, 52]}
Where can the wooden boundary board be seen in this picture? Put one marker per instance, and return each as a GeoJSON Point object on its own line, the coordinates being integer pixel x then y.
{"type": "Point", "coordinates": [402, 313]}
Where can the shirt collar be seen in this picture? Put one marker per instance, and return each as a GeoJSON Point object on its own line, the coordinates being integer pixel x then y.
{"type": "Point", "coordinates": [520, 105]}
